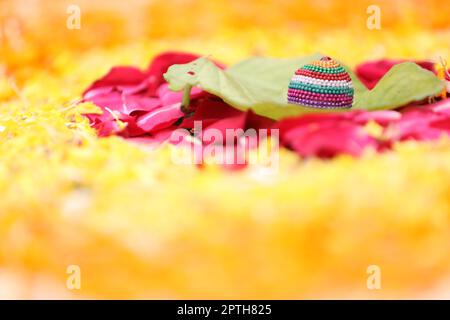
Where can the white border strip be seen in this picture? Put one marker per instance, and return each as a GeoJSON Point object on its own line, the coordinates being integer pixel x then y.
{"type": "Point", "coordinates": [328, 83]}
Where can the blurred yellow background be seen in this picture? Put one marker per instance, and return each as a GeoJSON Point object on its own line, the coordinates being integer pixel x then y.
{"type": "Point", "coordinates": [35, 30]}
{"type": "Point", "coordinates": [140, 227]}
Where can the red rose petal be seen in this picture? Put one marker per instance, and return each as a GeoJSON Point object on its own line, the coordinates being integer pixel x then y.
{"type": "Point", "coordinates": [161, 63]}
{"type": "Point", "coordinates": [209, 110]}
{"type": "Point", "coordinates": [443, 124]}
{"type": "Point", "coordinates": [371, 72]}
{"type": "Point", "coordinates": [119, 76]}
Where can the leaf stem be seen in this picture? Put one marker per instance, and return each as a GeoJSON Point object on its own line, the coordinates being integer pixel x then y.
{"type": "Point", "coordinates": [186, 98]}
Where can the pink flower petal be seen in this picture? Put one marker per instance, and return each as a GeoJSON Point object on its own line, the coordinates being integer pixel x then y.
{"type": "Point", "coordinates": [324, 135]}
{"type": "Point", "coordinates": [329, 140]}
{"type": "Point", "coordinates": [442, 107]}
{"type": "Point", "coordinates": [160, 117]}
{"type": "Point", "coordinates": [155, 138]}
{"type": "Point", "coordinates": [132, 104]}
{"type": "Point", "coordinates": [168, 96]}
{"type": "Point", "coordinates": [415, 125]}
{"type": "Point", "coordinates": [287, 124]}
{"type": "Point", "coordinates": [383, 117]}
{"type": "Point", "coordinates": [125, 104]}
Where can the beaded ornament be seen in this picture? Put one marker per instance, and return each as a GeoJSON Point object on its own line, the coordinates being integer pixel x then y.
{"type": "Point", "coordinates": [321, 84]}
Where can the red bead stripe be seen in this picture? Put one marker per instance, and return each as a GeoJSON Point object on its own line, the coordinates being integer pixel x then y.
{"type": "Point", "coordinates": [323, 76]}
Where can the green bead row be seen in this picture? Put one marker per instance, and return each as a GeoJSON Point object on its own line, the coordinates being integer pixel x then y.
{"type": "Point", "coordinates": [320, 89]}
{"type": "Point", "coordinates": [319, 69]}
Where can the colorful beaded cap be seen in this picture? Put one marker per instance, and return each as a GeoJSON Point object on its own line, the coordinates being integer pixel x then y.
{"type": "Point", "coordinates": [321, 84]}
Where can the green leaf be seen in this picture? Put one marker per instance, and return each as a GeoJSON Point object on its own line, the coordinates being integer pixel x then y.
{"type": "Point", "coordinates": [402, 84]}
{"type": "Point", "coordinates": [262, 83]}
{"type": "Point", "coordinates": [257, 83]}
